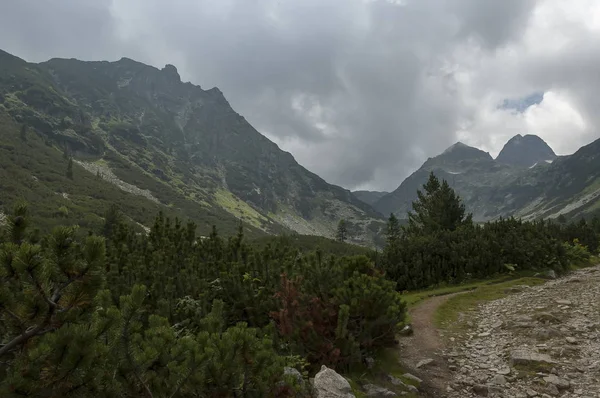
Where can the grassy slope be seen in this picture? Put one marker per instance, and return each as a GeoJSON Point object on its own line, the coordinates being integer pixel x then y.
{"type": "Point", "coordinates": [34, 171]}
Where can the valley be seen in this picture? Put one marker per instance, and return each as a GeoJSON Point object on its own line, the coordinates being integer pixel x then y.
{"type": "Point", "coordinates": [153, 243]}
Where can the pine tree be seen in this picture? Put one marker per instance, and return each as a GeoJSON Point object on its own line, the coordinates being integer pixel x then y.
{"type": "Point", "coordinates": [437, 208]}
{"type": "Point", "coordinates": [394, 231]}
{"type": "Point", "coordinates": [112, 218]}
{"type": "Point", "coordinates": [70, 168]}
{"type": "Point", "coordinates": [342, 231]}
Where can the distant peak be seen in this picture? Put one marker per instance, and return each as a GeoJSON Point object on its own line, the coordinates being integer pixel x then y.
{"type": "Point", "coordinates": [171, 71]}
{"type": "Point", "coordinates": [459, 152]}
{"type": "Point", "coordinates": [458, 145]}
{"type": "Point", "coordinates": [527, 151]}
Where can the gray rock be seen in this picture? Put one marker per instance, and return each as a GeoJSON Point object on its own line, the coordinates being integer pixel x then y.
{"type": "Point", "coordinates": [412, 377]}
{"type": "Point", "coordinates": [551, 389]}
{"type": "Point", "coordinates": [371, 390]}
{"type": "Point", "coordinates": [287, 371]}
{"type": "Point", "coordinates": [529, 358]}
{"type": "Point", "coordinates": [412, 389]}
{"type": "Point", "coordinates": [481, 390]}
{"type": "Point", "coordinates": [563, 302]}
{"type": "Point", "coordinates": [329, 384]}
{"type": "Point", "coordinates": [531, 393]}
{"type": "Point", "coordinates": [504, 371]}
{"type": "Point", "coordinates": [370, 362]}
{"type": "Point", "coordinates": [425, 362]}
{"type": "Point", "coordinates": [561, 384]}
{"type": "Point", "coordinates": [546, 333]}
{"type": "Point", "coordinates": [550, 274]}
{"type": "Point", "coordinates": [571, 340]}
{"type": "Point", "coordinates": [406, 331]}
{"type": "Point", "coordinates": [499, 380]}
{"type": "Point", "coordinates": [396, 381]}
{"type": "Point", "coordinates": [496, 324]}
{"type": "Point", "coordinates": [546, 317]}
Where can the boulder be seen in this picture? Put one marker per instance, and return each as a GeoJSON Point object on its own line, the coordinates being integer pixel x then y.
{"type": "Point", "coordinates": [425, 362]}
{"type": "Point", "coordinates": [529, 359]}
{"type": "Point", "coordinates": [481, 390]}
{"type": "Point", "coordinates": [406, 331]}
{"type": "Point", "coordinates": [546, 333]}
{"type": "Point", "coordinates": [294, 373]}
{"type": "Point", "coordinates": [546, 317]}
{"type": "Point", "coordinates": [551, 389]}
{"type": "Point", "coordinates": [412, 377]}
{"type": "Point", "coordinates": [396, 381]}
{"type": "Point", "coordinates": [499, 380]}
{"type": "Point", "coordinates": [329, 384]}
{"type": "Point", "coordinates": [561, 384]}
{"type": "Point", "coordinates": [371, 390]}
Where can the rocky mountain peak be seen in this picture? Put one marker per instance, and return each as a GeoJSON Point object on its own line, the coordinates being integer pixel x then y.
{"type": "Point", "coordinates": [525, 151]}
{"type": "Point", "coordinates": [460, 152]}
{"type": "Point", "coordinates": [171, 72]}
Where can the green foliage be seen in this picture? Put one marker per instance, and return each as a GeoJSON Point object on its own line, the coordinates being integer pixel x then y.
{"type": "Point", "coordinates": [341, 234]}
{"type": "Point", "coordinates": [576, 253]}
{"type": "Point", "coordinates": [182, 314]}
{"type": "Point", "coordinates": [438, 208]}
{"type": "Point", "coordinates": [338, 313]}
{"type": "Point", "coordinates": [69, 172]}
{"type": "Point", "coordinates": [437, 249]}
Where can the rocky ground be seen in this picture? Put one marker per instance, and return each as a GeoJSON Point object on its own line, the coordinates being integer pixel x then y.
{"type": "Point", "coordinates": [540, 341]}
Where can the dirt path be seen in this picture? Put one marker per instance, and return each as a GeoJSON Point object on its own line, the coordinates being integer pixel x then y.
{"type": "Point", "coordinates": [426, 344]}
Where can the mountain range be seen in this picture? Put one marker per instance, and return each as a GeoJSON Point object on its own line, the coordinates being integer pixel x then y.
{"type": "Point", "coordinates": [138, 136]}
{"type": "Point", "coordinates": [174, 145]}
{"type": "Point", "coordinates": [526, 180]}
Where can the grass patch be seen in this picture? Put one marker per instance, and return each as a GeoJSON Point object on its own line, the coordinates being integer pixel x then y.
{"type": "Point", "coordinates": [387, 362]}
{"type": "Point", "coordinates": [447, 315]}
{"type": "Point", "coordinates": [415, 297]}
{"type": "Point", "coordinates": [239, 208]}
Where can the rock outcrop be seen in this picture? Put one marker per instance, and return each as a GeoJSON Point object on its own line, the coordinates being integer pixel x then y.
{"type": "Point", "coordinates": [330, 384]}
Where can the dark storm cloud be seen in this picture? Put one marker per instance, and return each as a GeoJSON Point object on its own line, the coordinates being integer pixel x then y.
{"type": "Point", "coordinates": [360, 91]}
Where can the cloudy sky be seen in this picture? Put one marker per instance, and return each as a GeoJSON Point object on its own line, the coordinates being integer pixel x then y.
{"type": "Point", "coordinates": [359, 91]}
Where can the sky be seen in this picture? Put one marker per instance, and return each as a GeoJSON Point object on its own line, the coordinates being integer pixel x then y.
{"type": "Point", "coordinates": [361, 92]}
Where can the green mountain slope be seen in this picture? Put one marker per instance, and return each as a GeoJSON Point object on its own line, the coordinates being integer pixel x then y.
{"type": "Point", "coordinates": [174, 144]}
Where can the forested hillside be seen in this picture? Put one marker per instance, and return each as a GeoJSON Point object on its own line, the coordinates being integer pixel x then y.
{"type": "Point", "coordinates": [170, 313]}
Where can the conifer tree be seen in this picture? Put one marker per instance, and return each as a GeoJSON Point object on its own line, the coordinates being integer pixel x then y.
{"type": "Point", "coordinates": [69, 172]}
{"type": "Point", "coordinates": [394, 231]}
{"type": "Point", "coordinates": [112, 219]}
{"type": "Point", "coordinates": [437, 208]}
{"type": "Point", "coordinates": [341, 235]}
